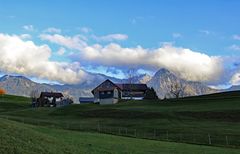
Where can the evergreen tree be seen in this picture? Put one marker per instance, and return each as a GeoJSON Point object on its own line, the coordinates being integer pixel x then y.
{"type": "Point", "coordinates": [151, 94]}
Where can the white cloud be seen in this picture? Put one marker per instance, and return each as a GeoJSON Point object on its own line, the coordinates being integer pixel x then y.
{"type": "Point", "coordinates": [176, 35]}
{"type": "Point", "coordinates": [220, 87]}
{"type": "Point", "coordinates": [25, 36]}
{"type": "Point", "coordinates": [111, 37]}
{"type": "Point", "coordinates": [52, 30]}
{"type": "Point", "coordinates": [234, 47]}
{"type": "Point", "coordinates": [206, 32]}
{"type": "Point", "coordinates": [189, 64]}
{"type": "Point", "coordinates": [85, 29]}
{"type": "Point", "coordinates": [61, 51]}
{"type": "Point", "coordinates": [27, 58]}
{"type": "Point", "coordinates": [28, 27]}
{"type": "Point", "coordinates": [76, 42]}
{"type": "Point", "coordinates": [236, 37]}
{"type": "Point", "coordinates": [235, 80]}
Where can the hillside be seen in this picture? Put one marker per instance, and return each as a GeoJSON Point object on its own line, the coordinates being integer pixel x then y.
{"type": "Point", "coordinates": [21, 138]}
{"type": "Point", "coordinates": [22, 86]}
{"type": "Point", "coordinates": [188, 120]}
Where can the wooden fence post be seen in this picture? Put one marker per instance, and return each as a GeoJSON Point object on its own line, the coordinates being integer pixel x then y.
{"type": "Point", "coordinates": [209, 139]}
{"type": "Point", "coordinates": [119, 131]}
{"type": "Point", "coordinates": [194, 139]}
{"type": "Point", "coordinates": [227, 140]}
{"type": "Point", "coordinates": [135, 133]}
{"type": "Point", "coordinates": [110, 130]}
{"type": "Point", "coordinates": [154, 134]}
{"type": "Point", "coordinates": [98, 128]}
{"type": "Point", "coordinates": [167, 135]}
{"type": "Point", "coordinates": [180, 137]}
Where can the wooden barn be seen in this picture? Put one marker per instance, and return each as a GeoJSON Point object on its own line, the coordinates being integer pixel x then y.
{"type": "Point", "coordinates": [52, 99]}
{"type": "Point", "coordinates": [110, 93]}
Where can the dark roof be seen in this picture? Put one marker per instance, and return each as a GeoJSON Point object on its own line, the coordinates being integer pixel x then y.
{"type": "Point", "coordinates": [135, 87]}
{"type": "Point", "coordinates": [51, 94]}
{"type": "Point", "coordinates": [127, 87]}
{"type": "Point", "coordinates": [86, 99]}
{"type": "Point", "coordinates": [106, 89]}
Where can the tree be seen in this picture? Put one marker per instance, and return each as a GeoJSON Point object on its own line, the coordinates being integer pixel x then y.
{"type": "Point", "coordinates": [131, 73]}
{"type": "Point", "coordinates": [2, 91]}
{"type": "Point", "coordinates": [150, 94]}
{"type": "Point", "coordinates": [34, 95]}
{"type": "Point", "coordinates": [177, 89]}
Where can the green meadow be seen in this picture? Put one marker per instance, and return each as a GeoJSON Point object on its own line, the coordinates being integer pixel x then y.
{"type": "Point", "coordinates": [204, 124]}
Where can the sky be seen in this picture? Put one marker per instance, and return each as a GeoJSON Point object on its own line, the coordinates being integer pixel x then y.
{"type": "Point", "coordinates": [62, 41]}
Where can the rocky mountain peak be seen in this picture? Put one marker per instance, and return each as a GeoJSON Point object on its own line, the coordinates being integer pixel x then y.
{"type": "Point", "coordinates": [164, 79]}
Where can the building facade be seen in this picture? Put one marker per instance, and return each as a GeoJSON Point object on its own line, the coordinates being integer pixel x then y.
{"type": "Point", "coordinates": [110, 93]}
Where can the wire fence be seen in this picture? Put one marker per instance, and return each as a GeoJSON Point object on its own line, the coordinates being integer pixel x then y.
{"type": "Point", "coordinates": [227, 140]}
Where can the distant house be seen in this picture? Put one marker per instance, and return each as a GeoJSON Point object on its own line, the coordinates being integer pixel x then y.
{"type": "Point", "coordinates": [110, 93]}
{"type": "Point", "coordinates": [52, 99]}
{"type": "Point", "coordinates": [86, 100]}
{"type": "Point", "coordinates": [133, 91]}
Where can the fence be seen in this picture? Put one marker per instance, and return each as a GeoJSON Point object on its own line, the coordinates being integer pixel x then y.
{"type": "Point", "coordinates": [228, 140]}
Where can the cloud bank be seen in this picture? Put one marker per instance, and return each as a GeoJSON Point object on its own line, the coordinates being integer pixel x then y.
{"type": "Point", "coordinates": [190, 65]}
{"type": "Point", "coordinates": [76, 42]}
{"type": "Point", "coordinates": [26, 58]}
{"type": "Point", "coordinates": [235, 80]}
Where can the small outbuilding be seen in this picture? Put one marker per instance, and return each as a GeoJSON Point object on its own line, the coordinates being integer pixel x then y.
{"type": "Point", "coordinates": [52, 99]}
{"type": "Point", "coordinates": [86, 100]}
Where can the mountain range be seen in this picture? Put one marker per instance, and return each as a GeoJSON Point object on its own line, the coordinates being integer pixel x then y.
{"type": "Point", "coordinates": [161, 81]}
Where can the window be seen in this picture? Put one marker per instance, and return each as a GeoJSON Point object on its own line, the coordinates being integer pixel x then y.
{"type": "Point", "coordinates": [102, 92]}
{"type": "Point", "coordinates": [109, 92]}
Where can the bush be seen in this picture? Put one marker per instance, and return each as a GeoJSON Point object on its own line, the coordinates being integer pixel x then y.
{"type": "Point", "coordinates": [151, 94]}
{"type": "Point", "coordinates": [2, 91]}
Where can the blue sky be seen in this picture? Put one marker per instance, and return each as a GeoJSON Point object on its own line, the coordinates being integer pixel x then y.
{"type": "Point", "coordinates": [207, 27]}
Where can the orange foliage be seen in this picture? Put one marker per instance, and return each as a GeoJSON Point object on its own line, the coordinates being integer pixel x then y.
{"type": "Point", "coordinates": [2, 91]}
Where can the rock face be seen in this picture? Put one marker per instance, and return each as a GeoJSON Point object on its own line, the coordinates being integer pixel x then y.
{"type": "Point", "coordinates": [163, 79]}
{"type": "Point", "coordinates": [161, 82]}
{"type": "Point", "coordinates": [20, 85]}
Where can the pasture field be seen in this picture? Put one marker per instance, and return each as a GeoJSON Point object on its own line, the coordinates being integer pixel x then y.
{"type": "Point", "coordinates": [204, 120]}
{"type": "Point", "coordinates": [21, 138]}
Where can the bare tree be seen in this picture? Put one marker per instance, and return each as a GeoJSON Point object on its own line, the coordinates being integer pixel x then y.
{"type": "Point", "coordinates": [131, 73]}
{"type": "Point", "coordinates": [177, 89]}
{"type": "Point", "coordinates": [34, 95]}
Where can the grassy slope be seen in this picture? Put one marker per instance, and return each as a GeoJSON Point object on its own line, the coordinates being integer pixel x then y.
{"type": "Point", "coordinates": [187, 115]}
{"type": "Point", "coordinates": [10, 103]}
{"type": "Point", "coordinates": [218, 115]}
{"type": "Point", "coordinates": [21, 138]}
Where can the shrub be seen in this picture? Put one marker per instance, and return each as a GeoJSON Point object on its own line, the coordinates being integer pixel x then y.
{"type": "Point", "coordinates": [151, 94]}
{"type": "Point", "coordinates": [2, 91]}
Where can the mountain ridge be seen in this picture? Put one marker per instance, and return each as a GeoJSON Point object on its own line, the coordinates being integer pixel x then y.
{"type": "Point", "coordinates": [161, 81]}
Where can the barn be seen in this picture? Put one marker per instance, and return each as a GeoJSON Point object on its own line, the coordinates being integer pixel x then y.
{"type": "Point", "coordinates": [52, 99]}
{"type": "Point", "coordinates": [110, 93]}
